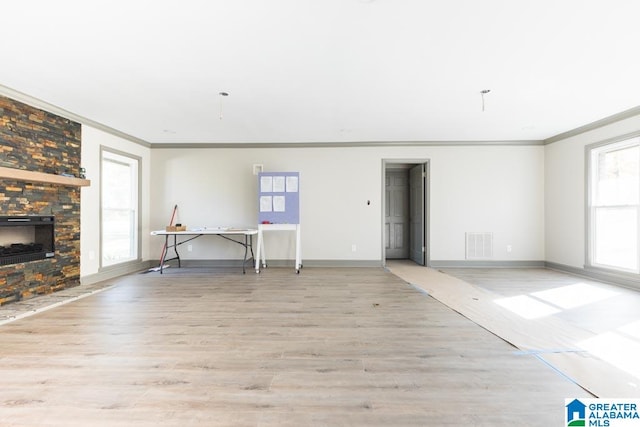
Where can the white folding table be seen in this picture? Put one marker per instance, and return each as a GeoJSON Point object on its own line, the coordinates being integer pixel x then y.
{"type": "Point", "coordinates": [241, 236]}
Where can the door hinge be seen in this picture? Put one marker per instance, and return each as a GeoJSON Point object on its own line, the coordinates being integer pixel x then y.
{"type": "Point", "coordinates": [424, 249]}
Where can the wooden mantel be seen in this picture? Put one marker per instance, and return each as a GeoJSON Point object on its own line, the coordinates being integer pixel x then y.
{"type": "Point", "coordinates": [49, 178]}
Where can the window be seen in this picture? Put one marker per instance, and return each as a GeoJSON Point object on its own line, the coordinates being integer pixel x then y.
{"type": "Point", "coordinates": [614, 187]}
{"type": "Point", "coordinates": [119, 208]}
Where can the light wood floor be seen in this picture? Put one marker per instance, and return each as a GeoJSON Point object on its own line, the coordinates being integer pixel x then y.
{"type": "Point", "coordinates": [618, 306]}
{"type": "Point", "coordinates": [209, 347]}
{"type": "Point", "coordinates": [589, 331]}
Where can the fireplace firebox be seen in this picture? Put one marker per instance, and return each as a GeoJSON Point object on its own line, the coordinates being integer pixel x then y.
{"type": "Point", "coordinates": [26, 238]}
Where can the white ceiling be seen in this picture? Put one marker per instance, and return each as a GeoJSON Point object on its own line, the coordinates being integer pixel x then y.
{"type": "Point", "coordinates": [326, 70]}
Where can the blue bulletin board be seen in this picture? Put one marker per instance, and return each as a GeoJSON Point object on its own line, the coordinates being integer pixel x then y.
{"type": "Point", "coordinates": [279, 198]}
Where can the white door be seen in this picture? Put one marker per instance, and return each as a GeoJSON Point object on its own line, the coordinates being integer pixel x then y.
{"type": "Point", "coordinates": [396, 224]}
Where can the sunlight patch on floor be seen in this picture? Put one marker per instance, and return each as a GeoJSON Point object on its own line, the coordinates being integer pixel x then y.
{"type": "Point", "coordinates": [527, 307]}
{"type": "Point", "coordinates": [631, 329]}
{"type": "Point", "coordinates": [573, 296]}
{"type": "Point", "coordinates": [615, 349]}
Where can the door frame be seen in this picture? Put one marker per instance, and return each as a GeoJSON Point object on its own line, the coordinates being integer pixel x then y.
{"type": "Point", "coordinates": [388, 163]}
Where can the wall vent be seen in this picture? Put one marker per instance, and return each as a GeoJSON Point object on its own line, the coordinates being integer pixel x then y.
{"type": "Point", "coordinates": [479, 245]}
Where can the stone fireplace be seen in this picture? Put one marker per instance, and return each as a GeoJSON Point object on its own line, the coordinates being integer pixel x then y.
{"type": "Point", "coordinates": [37, 150]}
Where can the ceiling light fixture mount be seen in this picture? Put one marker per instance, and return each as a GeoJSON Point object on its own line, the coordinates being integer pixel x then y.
{"type": "Point", "coordinates": [222, 96]}
{"type": "Point", "coordinates": [483, 92]}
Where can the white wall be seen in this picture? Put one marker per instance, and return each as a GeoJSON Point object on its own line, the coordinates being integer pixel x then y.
{"type": "Point", "coordinates": [565, 187]}
{"type": "Point", "coordinates": [92, 140]}
{"type": "Point", "coordinates": [488, 189]}
{"type": "Point", "coordinates": [530, 197]}
{"type": "Point", "coordinates": [483, 188]}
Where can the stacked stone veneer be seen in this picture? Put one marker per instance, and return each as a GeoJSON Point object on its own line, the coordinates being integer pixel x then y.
{"type": "Point", "coordinates": [35, 140]}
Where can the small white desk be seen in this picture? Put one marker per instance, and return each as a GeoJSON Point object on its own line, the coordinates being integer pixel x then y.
{"type": "Point", "coordinates": [243, 237]}
{"type": "Point", "coordinates": [261, 255]}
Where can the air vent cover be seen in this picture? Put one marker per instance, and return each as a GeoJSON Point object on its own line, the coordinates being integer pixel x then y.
{"type": "Point", "coordinates": [479, 245]}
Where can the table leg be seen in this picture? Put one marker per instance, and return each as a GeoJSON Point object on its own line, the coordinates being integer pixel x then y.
{"type": "Point", "coordinates": [264, 254]}
{"type": "Point", "coordinates": [259, 250]}
{"type": "Point", "coordinates": [175, 249]}
{"type": "Point", "coordinates": [298, 251]}
{"type": "Point", "coordinates": [246, 251]}
{"type": "Point", "coordinates": [164, 252]}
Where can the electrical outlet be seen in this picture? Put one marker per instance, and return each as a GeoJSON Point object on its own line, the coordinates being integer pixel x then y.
{"type": "Point", "coordinates": [509, 248]}
{"type": "Point", "coordinates": [353, 248]}
{"type": "Point", "coordinates": [189, 248]}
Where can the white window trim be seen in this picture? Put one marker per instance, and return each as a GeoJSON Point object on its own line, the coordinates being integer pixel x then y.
{"type": "Point", "coordinates": [589, 220]}
{"type": "Point", "coordinates": [138, 257]}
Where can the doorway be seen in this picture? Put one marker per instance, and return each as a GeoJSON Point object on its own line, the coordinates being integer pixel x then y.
{"type": "Point", "coordinates": [405, 215]}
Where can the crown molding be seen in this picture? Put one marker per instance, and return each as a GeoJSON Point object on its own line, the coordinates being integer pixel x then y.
{"type": "Point", "coordinates": [627, 114]}
{"type": "Point", "coordinates": [352, 144]}
{"type": "Point", "coordinates": [43, 105]}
